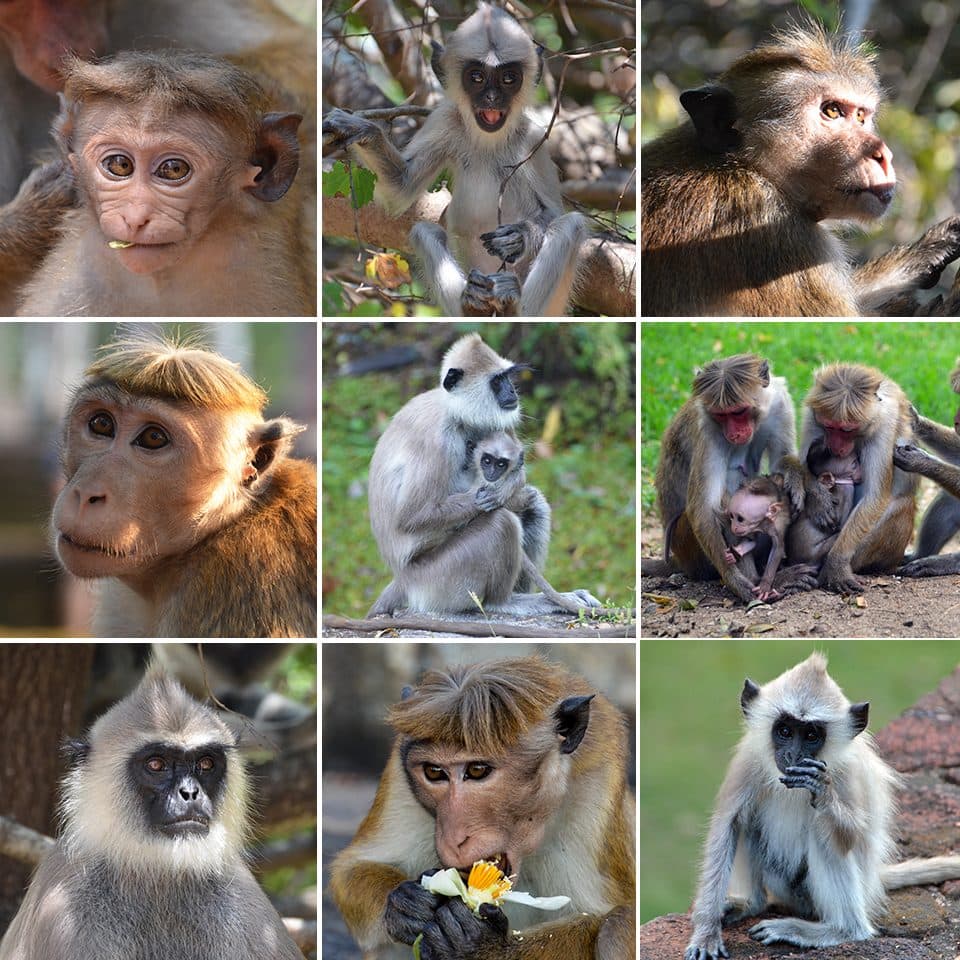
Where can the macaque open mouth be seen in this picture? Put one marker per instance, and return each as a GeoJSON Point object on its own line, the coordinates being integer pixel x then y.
{"type": "Point", "coordinates": [491, 119]}
{"type": "Point", "coordinates": [499, 860]}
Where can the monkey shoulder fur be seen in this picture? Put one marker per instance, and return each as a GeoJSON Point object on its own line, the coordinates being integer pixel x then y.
{"type": "Point", "coordinates": [443, 530]}
{"type": "Point", "coordinates": [183, 500]}
{"type": "Point", "coordinates": [808, 803]}
{"type": "Point", "coordinates": [733, 201]}
{"type": "Point", "coordinates": [516, 761]}
{"type": "Point", "coordinates": [150, 865]}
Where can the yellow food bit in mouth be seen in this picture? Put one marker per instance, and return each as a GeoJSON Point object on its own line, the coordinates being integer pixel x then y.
{"type": "Point", "coordinates": [488, 880]}
{"type": "Point", "coordinates": [119, 244]}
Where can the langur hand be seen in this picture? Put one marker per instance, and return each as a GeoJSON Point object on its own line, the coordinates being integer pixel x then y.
{"type": "Point", "coordinates": [490, 496]}
{"type": "Point", "coordinates": [837, 575]}
{"type": "Point", "coordinates": [706, 945]}
{"type": "Point", "coordinates": [490, 293]}
{"type": "Point", "coordinates": [810, 774]}
{"type": "Point", "coordinates": [508, 242]}
{"type": "Point", "coordinates": [456, 933]}
{"type": "Point", "coordinates": [910, 458]}
{"type": "Point", "coordinates": [342, 128]}
{"type": "Point", "coordinates": [410, 908]}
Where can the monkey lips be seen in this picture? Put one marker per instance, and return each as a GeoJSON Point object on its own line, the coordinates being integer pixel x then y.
{"type": "Point", "coordinates": [146, 257]}
{"type": "Point", "coordinates": [490, 120]}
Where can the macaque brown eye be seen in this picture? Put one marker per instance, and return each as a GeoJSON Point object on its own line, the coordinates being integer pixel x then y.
{"type": "Point", "coordinates": [156, 765]}
{"type": "Point", "coordinates": [101, 424]}
{"type": "Point", "coordinates": [117, 165]}
{"type": "Point", "coordinates": [153, 438]}
{"type": "Point", "coordinates": [861, 115]}
{"type": "Point", "coordinates": [434, 773]}
{"type": "Point", "coordinates": [477, 771]}
{"type": "Point", "coordinates": [175, 169]}
{"type": "Point", "coordinates": [831, 111]}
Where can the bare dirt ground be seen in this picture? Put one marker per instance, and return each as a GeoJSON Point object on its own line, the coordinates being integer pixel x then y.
{"type": "Point", "coordinates": [889, 606]}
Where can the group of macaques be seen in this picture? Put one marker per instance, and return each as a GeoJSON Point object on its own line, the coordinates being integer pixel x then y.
{"type": "Point", "coordinates": [845, 505]}
{"type": "Point", "coordinates": [184, 180]}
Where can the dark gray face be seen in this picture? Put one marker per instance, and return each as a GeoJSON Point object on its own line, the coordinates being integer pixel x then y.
{"type": "Point", "coordinates": [180, 789]}
{"type": "Point", "coordinates": [793, 740]}
{"type": "Point", "coordinates": [493, 467]}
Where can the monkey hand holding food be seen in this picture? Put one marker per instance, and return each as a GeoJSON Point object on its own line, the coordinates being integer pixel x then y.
{"type": "Point", "coordinates": [486, 294]}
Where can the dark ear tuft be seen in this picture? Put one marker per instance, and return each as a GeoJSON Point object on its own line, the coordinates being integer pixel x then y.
{"type": "Point", "coordinates": [75, 752]}
{"type": "Point", "coordinates": [572, 717]}
{"type": "Point", "coordinates": [713, 111]}
{"type": "Point", "coordinates": [749, 693]}
{"type": "Point", "coordinates": [453, 377]}
{"type": "Point", "coordinates": [860, 716]}
{"type": "Point", "coordinates": [435, 63]}
{"type": "Point", "coordinates": [277, 153]}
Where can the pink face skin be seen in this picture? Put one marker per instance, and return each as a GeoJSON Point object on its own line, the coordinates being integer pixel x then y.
{"type": "Point", "coordinates": [840, 436]}
{"type": "Point", "coordinates": [158, 185]}
{"type": "Point", "coordinates": [737, 423]}
{"type": "Point", "coordinates": [747, 512]}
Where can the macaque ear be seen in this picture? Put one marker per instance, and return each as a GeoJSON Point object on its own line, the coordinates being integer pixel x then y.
{"type": "Point", "coordinates": [572, 717]}
{"type": "Point", "coordinates": [774, 509]}
{"type": "Point", "coordinates": [749, 693]}
{"type": "Point", "coordinates": [63, 125]}
{"type": "Point", "coordinates": [826, 479]}
{"type": "Point", "coordinates": [270, 443]}
{"type": "Point", "coordinates": [277, 154]}
{"type": "Point", "coordinates": [713, 111]}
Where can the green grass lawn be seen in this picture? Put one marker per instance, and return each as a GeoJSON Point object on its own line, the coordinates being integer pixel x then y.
{"type": "Point", "coordinates": [690, 690]}
{"type": "Point", "coordinates": [919, 356]}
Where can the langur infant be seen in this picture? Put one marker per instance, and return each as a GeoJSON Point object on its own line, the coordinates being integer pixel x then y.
{"type": "Point", "coordinates": [806, 810]}
{"type": "Point", "coordinates": [757, 512]}
{"type": "Point", "coordinates": [828, 503]}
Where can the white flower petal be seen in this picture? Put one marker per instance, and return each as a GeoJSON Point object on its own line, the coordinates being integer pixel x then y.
{"type": "Point", "coordinates": [541, 903]}
{"type": "Point", "coordinates": [448, 883]}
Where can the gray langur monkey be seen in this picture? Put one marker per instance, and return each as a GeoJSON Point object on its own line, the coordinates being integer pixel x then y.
{"type": "Point", "coordinates": [808, 804]}
{"type": "Point", "coordinates": [442, 535]}
{"type": "Point", "coordinates": [500, 461]}
{"type": "Point", "coordinates": [480, 132]}
{"type": "Point", "coordinates": [150, 863]}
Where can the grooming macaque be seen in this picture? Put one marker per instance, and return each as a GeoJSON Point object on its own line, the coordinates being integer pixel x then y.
{"type": "Point", "coordinates": [757, 514]}
{"type": "Point", "coordinates": [827, 504]}
{"type": "Point", "coordinates": [807, 803]}
{"type": "Point", "coordinates": [516, 761]}
{"type": "Point", "coordinates": [783, 141]}
{"type": "Point", "coordinates": [150, 863]}
{"type": "Point", "coordinates": [184, 498]}
{"type": "Point", "coordinates": [857, 412]}
{"type": "Point", "coordinates": [182, 171]}
{"type": "Point", "coordinates": [36, 34]}
{"type": "Point", "coordinates": [736, 413]}
{"type": "Point", "coordinates": [479, 133]}
{"type": "Point", "coordinates": [442, 535]}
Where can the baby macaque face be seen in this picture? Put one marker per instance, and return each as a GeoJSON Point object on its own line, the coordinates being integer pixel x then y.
{"type": "Point", "coordinates": [747, 512]}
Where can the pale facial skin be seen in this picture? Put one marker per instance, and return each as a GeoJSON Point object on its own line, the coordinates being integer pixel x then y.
{"type": "Point", "coordinates": [156, 184]}
{"type": "Point", "coordinates": [146, 479]}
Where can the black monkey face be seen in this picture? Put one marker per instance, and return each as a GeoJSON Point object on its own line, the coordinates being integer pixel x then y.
{"type": "Point", "coordinates": [491, 90]}
{"type": "Point", "coordinates": [180, 789]}
{"type": "Point", "coordinates": [793, 740]}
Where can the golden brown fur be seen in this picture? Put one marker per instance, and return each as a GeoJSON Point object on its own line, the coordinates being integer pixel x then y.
{"type": "Point", "coordinates": [733, 201]}
{"type": "Point", "coordinates": [564, 821]}
{"type": "Point", "coordinates": [190, 510]}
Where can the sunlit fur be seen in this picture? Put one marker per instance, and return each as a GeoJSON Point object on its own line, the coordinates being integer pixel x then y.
{"type": "Point", "coordinates": [846, 392]}
{"type": "Point", "coordinates": [731, 382]}
{"type": "Point", "coordinates": [102, 813]}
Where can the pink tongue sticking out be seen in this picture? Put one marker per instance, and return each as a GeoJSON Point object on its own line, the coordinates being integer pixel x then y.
{"type": "Point", "coordinates": [491, 116]}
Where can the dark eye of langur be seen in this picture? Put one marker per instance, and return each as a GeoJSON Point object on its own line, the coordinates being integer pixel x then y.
{"type": "Point", "coordinates": [476, 77]}
{"type": "Point", "coordinates": [434, 773]}
{"type": "Point", "coordinates": [205, 764]}
{"type": "Point", "coordinates": [117, 165]}
{"type": "Point", "coordinates": [502, 464]}
{"type": "Point", "coordinates": [101, 424]}
{"type": "Point", "coordinates": [155, 765]}
{"type": "Point", "coordinates": [784, 732]}
{"type": "Point", "coordinates": [509, 78]}
{"type": "Point", "coordinates": [153, 438]}
{"type": "Point", "coordinates": [175, 169]}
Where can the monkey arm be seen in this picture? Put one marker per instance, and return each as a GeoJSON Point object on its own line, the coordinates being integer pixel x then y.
{"type": "Point", "coordinates": [401, 177]}
{"type": "Point", "coordinates": [943, 440]}
{"type": "Point", "coordinates": [914, 460]}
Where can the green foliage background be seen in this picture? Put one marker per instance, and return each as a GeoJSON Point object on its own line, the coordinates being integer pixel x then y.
{"type": "Point", "coordinates": [919, 356]}
{"type": "Point", "coordinates": [689, 723]}
{"type": "Point", "coordinates": [586, 369]}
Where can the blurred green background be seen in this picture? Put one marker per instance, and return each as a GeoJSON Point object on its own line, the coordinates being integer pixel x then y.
{"type": "Point", "coordinates": [583, 376]}
{"type": "Point", "coordinates": [685, 44]}
{"type": "Point", "coordinates": [690, 690]}
{"type": "Point", "coordinates": [919, 356]}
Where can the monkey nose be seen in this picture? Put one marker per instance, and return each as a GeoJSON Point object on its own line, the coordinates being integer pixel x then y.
{"type": "Point", "coordinates": [884, 157]}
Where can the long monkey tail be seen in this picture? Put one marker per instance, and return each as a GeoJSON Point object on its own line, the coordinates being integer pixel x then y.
{"type": "Point", "coordinates": [893, 876]}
